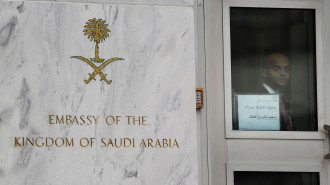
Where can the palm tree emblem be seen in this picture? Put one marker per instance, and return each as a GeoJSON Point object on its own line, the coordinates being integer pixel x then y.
{"type": "Point", "coordinates": [97, 31]}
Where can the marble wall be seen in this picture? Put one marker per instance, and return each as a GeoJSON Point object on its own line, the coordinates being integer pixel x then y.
{"type": "Point", "coordinates": [40, 80]}
{"type": "Point", "coordinates": [135, 2]}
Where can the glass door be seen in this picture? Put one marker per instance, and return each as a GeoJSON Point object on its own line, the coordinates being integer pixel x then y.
{"type": "Point", "coordinates": [274, 111]}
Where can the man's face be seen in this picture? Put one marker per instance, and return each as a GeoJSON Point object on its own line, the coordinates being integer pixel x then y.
{"type": "Point", "coordinates": [277, 72]}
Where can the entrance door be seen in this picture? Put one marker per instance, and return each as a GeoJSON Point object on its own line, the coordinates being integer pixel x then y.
{"type": "Point", "coordinates": [273, 89]}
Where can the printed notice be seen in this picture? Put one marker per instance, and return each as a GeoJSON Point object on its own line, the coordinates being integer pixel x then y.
{"type": "Point", "coordinates": [258, 112]}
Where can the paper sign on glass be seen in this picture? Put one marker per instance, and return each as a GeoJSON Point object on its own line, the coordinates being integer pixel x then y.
{"type": "Point", "coordinates": [258, 112]}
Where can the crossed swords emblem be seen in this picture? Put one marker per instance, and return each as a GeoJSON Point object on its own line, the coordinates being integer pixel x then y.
{"type": "Point", "coordinates": [97, 70]}
{"type": "Point", "coordinates": [97, 31]}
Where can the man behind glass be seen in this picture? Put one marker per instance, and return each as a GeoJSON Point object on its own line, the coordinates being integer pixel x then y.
{"type": "Point", "coordinates": [276, 74]}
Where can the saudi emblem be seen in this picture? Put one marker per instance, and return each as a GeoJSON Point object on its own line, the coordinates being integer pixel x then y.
{"type": "Point", "coordinates": [97, 31]}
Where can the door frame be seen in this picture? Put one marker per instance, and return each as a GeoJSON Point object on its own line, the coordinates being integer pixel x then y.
{"type": "Point", "coordinates": [316, 5]}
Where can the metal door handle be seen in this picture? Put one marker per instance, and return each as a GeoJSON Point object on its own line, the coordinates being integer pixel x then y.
{"type": "Point", "coordinates": [327, 128]}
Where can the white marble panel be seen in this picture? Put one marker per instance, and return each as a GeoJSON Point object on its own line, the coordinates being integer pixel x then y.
{"type": "Point", "coordinates": [39, 78]}
{"type": "Point", "coordinates": [132, 2]}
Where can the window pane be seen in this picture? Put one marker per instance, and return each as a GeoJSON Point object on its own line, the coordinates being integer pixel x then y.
{"type": "Point", "coordinates": [273, 62]}
{"type": "Point", "coordinates": [276, 178]}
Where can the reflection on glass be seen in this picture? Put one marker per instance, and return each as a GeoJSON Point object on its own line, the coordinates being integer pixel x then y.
{"type": "Point", "coordinates": [276, 178]}
{"type": "Point", "coordinates": [273, 52]}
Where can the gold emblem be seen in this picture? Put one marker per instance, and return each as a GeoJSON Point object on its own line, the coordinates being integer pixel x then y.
{"type": "Point", "coordinates": [97, 31]}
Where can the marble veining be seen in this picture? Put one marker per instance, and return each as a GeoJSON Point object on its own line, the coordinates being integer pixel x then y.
{"type": "Point", "coordinates": [39, 78]}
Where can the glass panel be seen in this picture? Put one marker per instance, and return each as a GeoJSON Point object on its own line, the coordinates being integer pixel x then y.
{"type": "Point", "coordinates": [273, 63]}
{"type": "Point", "coordinates": [276, 178]}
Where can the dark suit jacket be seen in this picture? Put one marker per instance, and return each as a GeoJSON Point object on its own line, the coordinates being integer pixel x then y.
{"type": "Point", "coordinates": [299, 113]}
{"type": "Point", "coordinates": [283, 124]}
